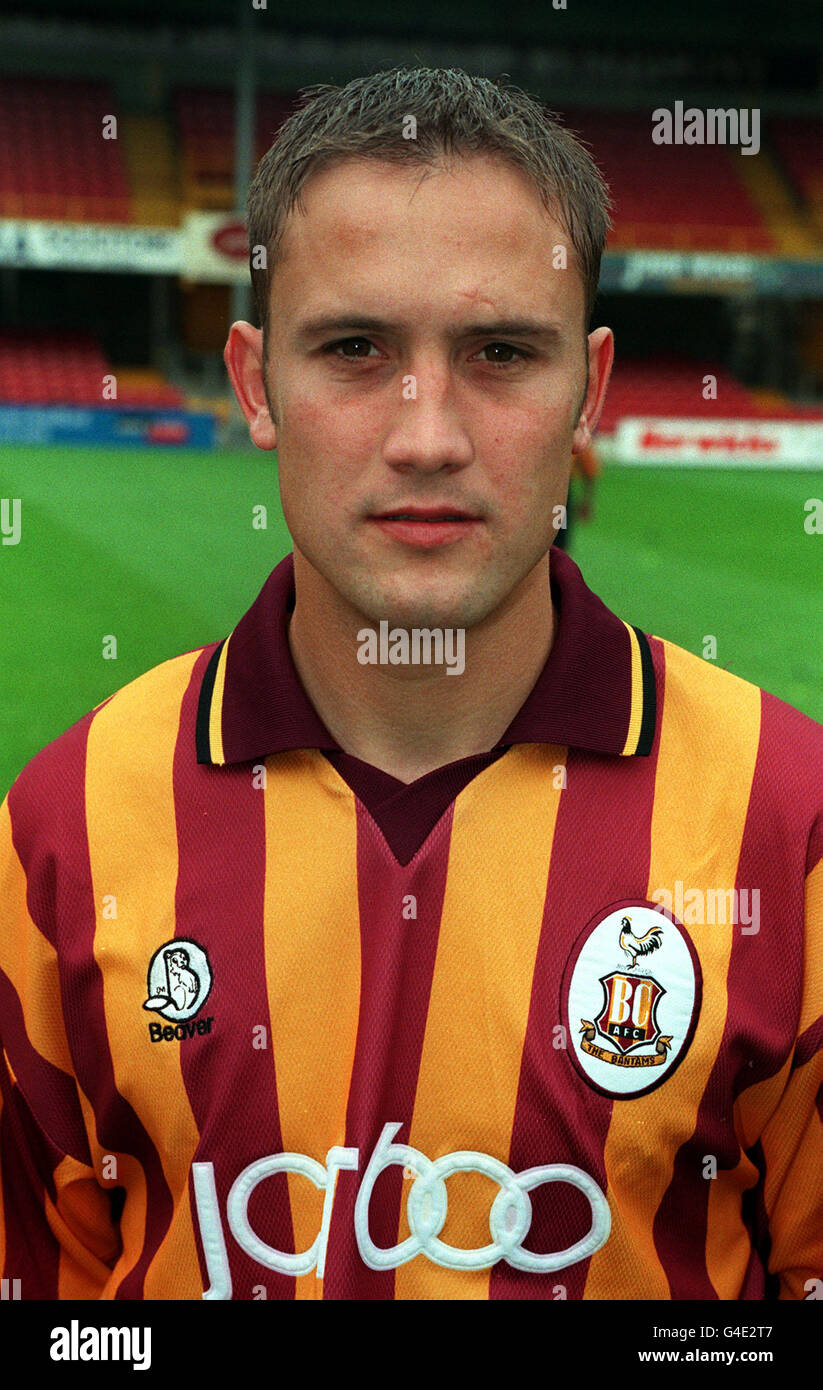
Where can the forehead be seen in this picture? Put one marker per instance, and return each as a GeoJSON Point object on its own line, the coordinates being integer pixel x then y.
{"type": "Point", "coordinates": [473, 221]}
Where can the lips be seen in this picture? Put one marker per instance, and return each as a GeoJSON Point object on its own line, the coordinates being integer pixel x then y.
{"type": "Point", "coordinates": [425, 528]}
{"type": "Point", "coordinates": [424, 514]}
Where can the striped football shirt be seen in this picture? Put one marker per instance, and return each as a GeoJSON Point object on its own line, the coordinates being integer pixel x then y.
{"type": "Point", "coordinates": [544, 1024]}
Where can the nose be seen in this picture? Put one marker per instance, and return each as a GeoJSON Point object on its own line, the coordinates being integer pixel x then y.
{"type": "Point", "coordinates": [427, 432]}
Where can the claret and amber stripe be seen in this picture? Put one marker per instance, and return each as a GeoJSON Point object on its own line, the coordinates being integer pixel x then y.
{"type": "Point", "coordinates": [376, 955]}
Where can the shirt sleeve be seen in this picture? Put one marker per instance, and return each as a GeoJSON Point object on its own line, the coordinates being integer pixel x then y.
{"type": "Point", "coordinates": [792, 1141]}
{"type": "Point", "coordinates": [58, 1235]}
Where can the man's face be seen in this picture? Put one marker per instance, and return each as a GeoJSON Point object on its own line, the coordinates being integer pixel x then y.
{"type": "Point", "coordinates": [421, 398]}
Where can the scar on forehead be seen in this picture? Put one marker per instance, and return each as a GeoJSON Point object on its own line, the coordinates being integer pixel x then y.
{"type": "Point", "coordinates": [475, 297]}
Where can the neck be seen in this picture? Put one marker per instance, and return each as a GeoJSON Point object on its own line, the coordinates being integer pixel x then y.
{"type": "Point", "coordinates": [408, 720]}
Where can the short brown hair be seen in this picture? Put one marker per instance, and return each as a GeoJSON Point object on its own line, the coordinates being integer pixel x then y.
{"type": "Point", "coordinates": [456, 114]}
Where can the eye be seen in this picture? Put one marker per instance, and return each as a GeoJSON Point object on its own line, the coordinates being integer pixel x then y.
{"type": "Point", "coordinates": [520, 353]}
{"type": "Point", "coordinates": [332, 348]}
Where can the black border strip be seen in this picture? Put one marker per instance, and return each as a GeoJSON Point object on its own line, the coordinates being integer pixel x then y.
{"type": "Point", "coordinates": [649, 720]}
{"type": "Point", "coordinates": [204, 706]}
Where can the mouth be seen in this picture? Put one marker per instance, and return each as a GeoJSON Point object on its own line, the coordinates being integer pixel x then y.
{"type": "Point", "coordinates": [425, 527]}
{"type": "Point", "coordinates": [424, 514]}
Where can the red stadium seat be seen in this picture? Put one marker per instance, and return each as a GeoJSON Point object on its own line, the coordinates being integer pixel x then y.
{"type": "Point", "coordinates": [40, 367]}
{"type": "Point", "coordinates": [673, 387]}
{"type": "Point", "coordinates": [54, 153]}
{"type": "Point", "coordinates": [670, 197]}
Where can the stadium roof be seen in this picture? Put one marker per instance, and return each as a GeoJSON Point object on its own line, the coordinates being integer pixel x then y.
{"type": "Point", "coordinates": [737, 22]}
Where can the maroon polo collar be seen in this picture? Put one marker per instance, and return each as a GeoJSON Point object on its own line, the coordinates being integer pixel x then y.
{"type": "Point", "coordinates": [596, 690]}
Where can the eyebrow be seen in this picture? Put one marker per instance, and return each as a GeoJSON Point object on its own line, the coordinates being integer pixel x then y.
{"type": "Point", "coordinates": [322, 324]}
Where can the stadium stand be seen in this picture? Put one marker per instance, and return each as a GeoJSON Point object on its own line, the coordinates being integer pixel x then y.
{"type": "Point", "coordinates": [53, 163]}
{"type": "Point", "coordinates": [789, 222]}
{"type": "Point", "coordinates": [712, 199]}
{"type": "Point", "coordinates": [153, 170]}
{"type": "Point", "coordinates": [798, 141]}
{"type": "Point", "coordinates": [44, 367]}
{"type": "Point", "coordinates": [55, 166]}
{"type": "Point", "coordinates": [684, 198]}
{"type": "Point", "coordinates": [672, 386]}
{"type": "Point", "coordinates": [205, 128]}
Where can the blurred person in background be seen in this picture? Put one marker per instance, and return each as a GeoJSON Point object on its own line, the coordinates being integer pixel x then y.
{"type": "Point", "coordinates": [586, 468]}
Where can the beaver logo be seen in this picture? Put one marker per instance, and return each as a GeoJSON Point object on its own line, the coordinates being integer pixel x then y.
{"type": "Point", "coordinates": [179, 980]}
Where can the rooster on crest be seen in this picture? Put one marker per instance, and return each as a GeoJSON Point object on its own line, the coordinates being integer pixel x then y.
{"type": "Point", "coordinates": [635, 946]}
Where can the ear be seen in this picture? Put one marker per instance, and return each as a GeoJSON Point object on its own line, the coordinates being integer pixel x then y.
{"type": "Point", "coordinates": [243, 356]}
{"type": "Point", "coordinates": [601, 356]}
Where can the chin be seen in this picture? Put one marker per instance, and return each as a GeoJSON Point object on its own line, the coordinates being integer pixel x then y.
{"type": "Point", "coordinates": [415, 605]}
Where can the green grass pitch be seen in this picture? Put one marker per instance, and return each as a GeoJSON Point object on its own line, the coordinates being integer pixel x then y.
{"type": "Point", "coordinates": [157, 549]}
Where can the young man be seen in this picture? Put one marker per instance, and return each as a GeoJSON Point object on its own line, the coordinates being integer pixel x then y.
{"type": "Point", "coordinates": [329, 973]}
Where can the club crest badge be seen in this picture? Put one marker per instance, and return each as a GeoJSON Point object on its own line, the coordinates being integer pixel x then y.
{"type": "Point", "coordinates": [179, 980]}
{"type": "Point", "coordinates": [631, 998]}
